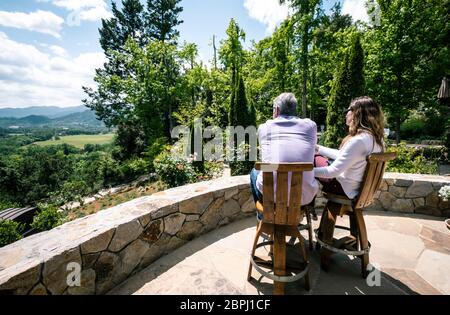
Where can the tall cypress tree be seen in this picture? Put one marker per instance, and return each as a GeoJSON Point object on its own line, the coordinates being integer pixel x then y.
{"type": "Point", "coordinates": [231, 54]}
{"type": "Point", "coordinates": [232, 119]}
{"type": "Point", "coordinates": [241, 106]}
{"type": "Point", "coordinates": [356, 68]}
{"type": "Point", "coordinates": [245, 117]}
{"type": "Point", "coordinates": [348, 84]}
{"type": "Point", "coordinates": [162, 17]}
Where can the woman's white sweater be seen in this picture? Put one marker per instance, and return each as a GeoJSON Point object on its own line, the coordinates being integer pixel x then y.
{"type": "Point", "coordinates": [349, 163]}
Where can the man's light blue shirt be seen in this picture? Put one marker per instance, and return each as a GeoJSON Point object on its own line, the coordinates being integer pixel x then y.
{"type": "Point", "coordinates": [289, 139]}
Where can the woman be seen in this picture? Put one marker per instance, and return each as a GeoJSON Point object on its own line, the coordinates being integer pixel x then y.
{"type": "Point", "coordinates": [344, 176]}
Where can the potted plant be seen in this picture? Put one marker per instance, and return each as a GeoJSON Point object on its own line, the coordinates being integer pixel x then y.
{"type": "Point", "coordinates": [444, 193]}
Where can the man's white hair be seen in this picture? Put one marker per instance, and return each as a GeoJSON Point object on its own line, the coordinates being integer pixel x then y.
{"type": "Point", "coordinates": [286, 103]}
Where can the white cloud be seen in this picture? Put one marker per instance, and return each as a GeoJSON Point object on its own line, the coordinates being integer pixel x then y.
{"type": "Point", "coordinates": [268, 12]}
{"type": "Point", "coordinates": [357, 9]}
{"type": "Point", "coordinates": [58, 50]}
{"type": "Point", "coordinates": [39, 21]}
{"type": "Point", "coordinates": [30, 77]}
{"type": "Point", "coordinates": [83, 10]}
{"type": "Point", "coordinates": [95, 14]}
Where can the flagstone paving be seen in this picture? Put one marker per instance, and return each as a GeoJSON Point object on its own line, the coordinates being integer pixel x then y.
{"type": "Point", "coordinates": [411, 251]}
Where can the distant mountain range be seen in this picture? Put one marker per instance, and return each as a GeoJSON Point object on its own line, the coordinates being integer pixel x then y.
{"type": "Point", "coordinates": [84, 118]}
{"type": "Point", "coordinates": [47, 111]}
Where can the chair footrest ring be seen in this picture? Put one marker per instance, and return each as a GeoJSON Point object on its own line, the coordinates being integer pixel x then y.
{"type": "Point", "coordinates": [341, 251]}
{"type": "Point", "coordinates": [284, 279]}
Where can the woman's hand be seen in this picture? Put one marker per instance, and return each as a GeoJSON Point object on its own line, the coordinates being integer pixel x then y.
{"type": "Point", "coordinates": [317, 149]}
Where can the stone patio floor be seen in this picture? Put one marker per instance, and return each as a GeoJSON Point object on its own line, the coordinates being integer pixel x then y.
{"type": "Point", "coordinates": [412, 252]}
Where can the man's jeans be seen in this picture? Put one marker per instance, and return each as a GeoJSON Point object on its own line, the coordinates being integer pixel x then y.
{"type": "Point", "coordinates": [257, 196]}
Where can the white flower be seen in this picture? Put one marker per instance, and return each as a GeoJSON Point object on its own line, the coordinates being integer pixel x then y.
{"type": "Point", "coordinates": [444, 193]}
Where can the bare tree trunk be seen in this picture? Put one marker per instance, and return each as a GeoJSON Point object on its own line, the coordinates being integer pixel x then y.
{"type": "Point", "coordinates": [304, 100]}
{"type": "Point", "coordinates": [305, 71]}
{"type": "Point", "coordinates": [215, 52]}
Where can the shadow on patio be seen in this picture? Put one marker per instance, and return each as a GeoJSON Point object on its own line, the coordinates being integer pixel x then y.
{"type": "Point", "coordinates": [412, 253]}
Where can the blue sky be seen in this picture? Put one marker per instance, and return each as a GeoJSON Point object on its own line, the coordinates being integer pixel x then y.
{"type": "Point", "coordinates": [49, 48]}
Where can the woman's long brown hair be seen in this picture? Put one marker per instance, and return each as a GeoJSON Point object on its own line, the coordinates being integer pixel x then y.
{"type": "Point", "coordinates": [367, 116]}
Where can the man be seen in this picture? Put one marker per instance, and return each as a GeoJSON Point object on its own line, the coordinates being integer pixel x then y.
{"type": "Point", "coordinates": [285, 139]}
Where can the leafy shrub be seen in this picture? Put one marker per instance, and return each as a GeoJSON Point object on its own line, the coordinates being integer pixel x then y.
{"type": "Point", "coordinates": [47, 218]}
{"type": "Point", "coordinates": [434, 153]}
{"type": "Point", "coordinates": [5, 204]}
{"type": "Point", "coordinates": [10, 232]}
{"type": "Point", "coordinates": [410, 160]}
{"type": "Point", "coordinates": [174, 170]}
{"type": "Point", "coordinates": [413, 128]}
{"type": "Point", "coordinates": [241, 167]}
{"type": "Point", "coordinates": [212, 170]}
{"type": "Point", "coordinates": [423, 124]}
{"type": "Point", "coordinates": [72, 190]}
{"type": "Point", "coordinates": [154, 150]}
{"type": "Point", "coordinates": [132, 168]}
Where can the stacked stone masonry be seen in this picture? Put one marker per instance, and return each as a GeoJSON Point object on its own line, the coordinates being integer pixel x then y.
{"type": "Point", "coordinates": [106, 248]}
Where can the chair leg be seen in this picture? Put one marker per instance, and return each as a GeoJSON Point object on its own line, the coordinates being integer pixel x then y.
{"type": "Point", "coordinates": [255, 243]}
{"type": "Point", "coordinates": [310, 230]}
{"type": "Point", "coordinates": [304, 254]}
{"type": "Point", "coordinates": [271, 246]}
{"type": "Point", "coordinates": [353, 226]}
{"type": "Point", "coordinates": [363, 240]}
{"type": "Point", "coordinates": [279, 259]}
{"type": "Point", "coordinates": [322, 219]}
{"type": "Point", "coordinates": [327, 230]}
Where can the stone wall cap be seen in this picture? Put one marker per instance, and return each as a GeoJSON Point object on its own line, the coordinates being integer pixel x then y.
{"type": "Point", "coordinates": [418, 177]}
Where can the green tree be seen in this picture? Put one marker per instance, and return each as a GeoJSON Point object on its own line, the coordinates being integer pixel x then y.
{"type": "Point", "coordinates": [330, 38]}
{"type": "Point", "coordinates": [246, 116]}
{"type": "Point", "coordinates": [108, 99]}
{"type": "Point", "coordinates": [408, 55]}
{"type": "Point", "coordinates": [113, 101]}
{"type": "Point", "coordinates": [124, 24]}
{"type": "Point", "coordinates": [307, 16]}
{"type": "Point", "coordinates": [232, 113]}
{"type": "Point", "coordinates": [349, 83]}
{"type": "Point", "coordinates": [162, 18]}
{"type": "Point", "coordinates": [231, 54]}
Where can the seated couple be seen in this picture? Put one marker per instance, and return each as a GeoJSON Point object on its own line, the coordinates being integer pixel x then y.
{"type": "Point", "coordinates": [288, 139]}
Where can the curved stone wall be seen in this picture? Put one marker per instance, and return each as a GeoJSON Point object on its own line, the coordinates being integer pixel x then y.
{"type": "Point", "coordinates": [109, 246]}
{"type": "Point", "coordinates": [412, 193]}
{"type": "Point", "coordinates": [113, 244]}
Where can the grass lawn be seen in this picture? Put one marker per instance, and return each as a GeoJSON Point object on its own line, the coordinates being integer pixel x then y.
{"type": "Point", "coordinates": [79, 141]}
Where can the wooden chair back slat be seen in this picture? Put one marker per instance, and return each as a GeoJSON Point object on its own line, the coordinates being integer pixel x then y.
{"type": "Point", "coordinates": [278, 212]}
{"type": "Point", "coordinates": [268, 200]}
{"type": "Point", "coordinates": [376, 166]}
{"type": "Point", "coordinates": [295, 200]}
{"type": "Point", "coordinates": [282, 198]}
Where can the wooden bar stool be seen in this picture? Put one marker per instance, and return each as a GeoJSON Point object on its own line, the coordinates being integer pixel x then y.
{"type": "Point", "coordinates": [357, 243]}
{"type": "Point", "coordinates": [279, 221]}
